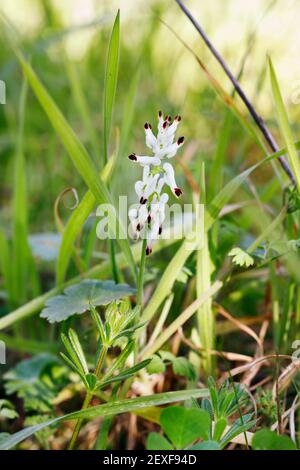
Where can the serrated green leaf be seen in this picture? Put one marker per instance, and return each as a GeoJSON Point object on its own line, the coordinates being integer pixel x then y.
{"type": "Point", "coordinates": [240, 257]}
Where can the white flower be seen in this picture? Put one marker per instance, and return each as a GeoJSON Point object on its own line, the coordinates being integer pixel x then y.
{"type": "Point", "coordinates": [163, 145]}
{"type": "Point", "coordinates": [149, 216]}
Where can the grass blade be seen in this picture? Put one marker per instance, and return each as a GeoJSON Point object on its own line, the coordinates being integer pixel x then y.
{"type": "Point", "coordinates": [110, 82]}
{"type": "Point", "coordinates": [108, 409]}
{"type": "Point", "coordinates": [284, 125]}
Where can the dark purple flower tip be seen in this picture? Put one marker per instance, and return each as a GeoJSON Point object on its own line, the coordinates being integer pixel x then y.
{"type": "Point", "coordinates": [132, 157]}
{"type": "Point", "coordinates": [138, 227]}
{"type": "Point", "coordinates": [146, 125]}
{"type": "Point", "coordinates": [148, 250]}
{"type": "Point", "coordinates": [180, 140]}
{"type": "Point", "coordinates": [160, 230]}
{"type": "Point", "coordinates": [159, 114]}
{"type": "Point", "coordinates": [149, 219]}
{"type": "Point", "coordinates": [177, 191]}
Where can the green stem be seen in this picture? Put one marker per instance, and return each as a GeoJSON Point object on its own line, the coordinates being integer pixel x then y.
{"type": "Point", "coordinates": [100, 360]}
{"type": "Point", "coordinates": [140, 284]}
{"type": "Point", "coordinates": [85, 405]}
{"type": "Point", "coordinates": [88, 398]}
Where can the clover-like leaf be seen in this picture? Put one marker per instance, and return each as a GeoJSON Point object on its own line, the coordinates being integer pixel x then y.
{"type": "Point", "coordinates": [240, 257]}
{"type": "Point", "coordinates": [184, 425]}
{"type": "Point", "coordinates": [79, 297]}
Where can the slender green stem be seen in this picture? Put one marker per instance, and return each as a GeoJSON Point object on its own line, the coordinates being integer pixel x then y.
{"type": "Point", "coordinates": [88, 398]}
{"type": "Point", "coordinates": [85, 405]}
{"type": "Point", "coordinates": [140, 285]}
{"type": "Point", "coordinates": [100, 360]}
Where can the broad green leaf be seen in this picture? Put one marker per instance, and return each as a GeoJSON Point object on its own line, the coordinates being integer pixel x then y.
{"type": "Point", "coordinates": [184, 425]}
{"type": "Point", "coordinates": [78, 298]}
{"type": "Point", "coordinates": [269, 440]}
{"type": "Point", "coordinates": [110, 83]}
{"type": "Point", "coordinates": [284, 126]}
{"type": "Point", "coordinates": [108, 409]}
{"type": "Point", "coordinates": [156, 441]}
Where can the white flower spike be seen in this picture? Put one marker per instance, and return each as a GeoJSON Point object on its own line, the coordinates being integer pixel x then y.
{"type": "Point", "coordinates": [150, 215]}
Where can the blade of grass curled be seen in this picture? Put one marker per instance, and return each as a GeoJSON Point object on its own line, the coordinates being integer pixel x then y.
{"type": "Point", "coordinates": [284, 125]}
{"type": "Point", "coordinates": [77, 153]}
{"type": "Point", "coordinates": [75, 224]}
{"type": "Point", "coordinates": [110, 82]}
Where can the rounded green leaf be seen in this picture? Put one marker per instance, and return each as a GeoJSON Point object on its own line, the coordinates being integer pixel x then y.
{"type": "Point", "coordinates": [79, 297]}
{"type": "Point", "coordinates": [185, 425]}
{"type": "Point", "coordinates": [269, 440]}
{"type": "Point", "coordinates": [157, 442]}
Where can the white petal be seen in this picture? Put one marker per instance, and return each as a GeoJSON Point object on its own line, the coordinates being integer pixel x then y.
{"type": "Point", "coordinates": [151, 140]}
{"type": "Point", "coordinates": [143, 160]}
{"type": "Point", "coordinates": [170, 179]}
{"type": "Point", "coordinates": [146, 172]}
{"type": "Point", "coordinates": [139, 186]}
